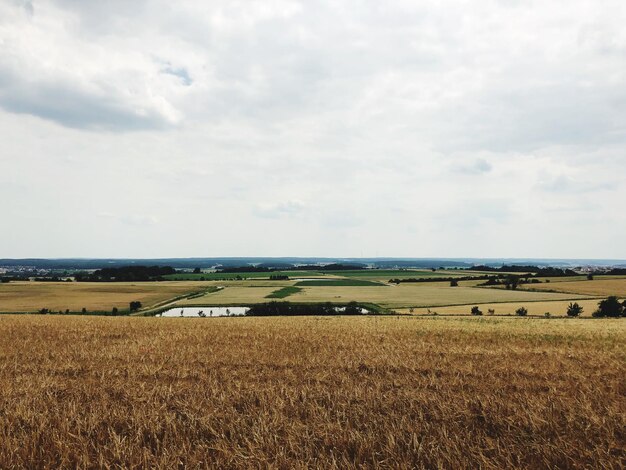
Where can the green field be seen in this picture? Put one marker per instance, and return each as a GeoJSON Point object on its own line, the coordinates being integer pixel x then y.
{"type": "Point", "coordinates": [338, 282]}
{"type": "Point", "coordinates": [215, 276]}
{"type": "Point", "coordinates": [284, 292]}
{"type": "Point", "coordinates": [386, 274]}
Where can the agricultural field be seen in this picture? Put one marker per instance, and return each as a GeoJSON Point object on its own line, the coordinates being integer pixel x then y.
{"type": "Point", "coordinates": [325, 392]}
{"type": "Point", "coordinates": [554, 307]}
{"type": "Point", "coordinates": [94, 296]}
{"type": "Point", "coordinates": [600, 286]}
{"type": "Point", "coordinates": [283, 292]}
{"type": "Point", "coordinates": [387, 296]}
{"type": "Point", "coordinates": [386, 274]}
{"type": "Point", "coordinates": [103, 296]}
{"type": "Point", "coordinates": [421, 294]}
{"type": "Point", "coordinates": [214, 276]}
{"type": "Point", "coordinates": [338, 282]}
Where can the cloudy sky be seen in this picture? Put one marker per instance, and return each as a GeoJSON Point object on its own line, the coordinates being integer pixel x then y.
{"type": "Point", "coordinates": [151, 128]}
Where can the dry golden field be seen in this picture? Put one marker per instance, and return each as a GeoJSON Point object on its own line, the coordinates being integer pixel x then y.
{"type": "Point", "coordinates": [599, 286]}
{"type": "Point", "coordinates": [554, 307]}
{"type": "Point", "coordinates": [95, 296]}
{"type": "Point", "coordinates": [391, 296]}
{"type": "Point", "coordinates": [325, 392]}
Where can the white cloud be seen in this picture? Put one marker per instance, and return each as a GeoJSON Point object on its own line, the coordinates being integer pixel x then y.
{"type": "Point", "coordinates": [409, 129]}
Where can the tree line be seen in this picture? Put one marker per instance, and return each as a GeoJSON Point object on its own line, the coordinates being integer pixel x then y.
{"type": "Point", "coordinates": [126, 273]}
{"type": "Point", "coordinates": [288, 309]}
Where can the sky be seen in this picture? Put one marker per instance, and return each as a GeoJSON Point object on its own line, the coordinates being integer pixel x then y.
{"type": "Point", "coordinates": [155, 128]}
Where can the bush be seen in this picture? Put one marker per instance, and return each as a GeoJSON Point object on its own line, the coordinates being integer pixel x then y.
{"type": "Point", "coordinates": [590, 277]}
{"type": "Point", "coordinates": [114, 311]}
{"type": "Point", "coordinates": [521, 312]}
{"type": "Point", "coordinates": [135, 305]}
{"type": "Point", "coordinates": [476, 311]}
{"type": "Point", "coordinates": [454, 283]}
{"type": "Point", "coordinates": [609, 307]}
{"type": "Point", "coordinates": [574, 310]}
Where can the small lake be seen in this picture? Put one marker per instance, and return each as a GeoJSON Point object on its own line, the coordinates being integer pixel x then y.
{"type": "Point", "coordinates": [201, 312]}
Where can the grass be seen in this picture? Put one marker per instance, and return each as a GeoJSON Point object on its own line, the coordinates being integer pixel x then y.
{"type": "Point", "coordinates": [339, 282]}
{"type": "Point", "coordinates": [213, 276]}
{"type": "Point", "coordinates": [599, 286]}
{"type": "Point", "coordinates": [386, 274]}
{"type": "Point", "coordinates": [335, 392]}
{"type": "Point", "coordinates": [423, 295]}
{"type": "Point", "coordinates": [556, 308]}
{"type": "Point", "coordinates": [95, 296]}
{"type": "Point", "coordinates": [284, 292]}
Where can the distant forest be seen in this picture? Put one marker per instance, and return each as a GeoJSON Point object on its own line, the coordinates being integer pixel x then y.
{"type": "Point", "coordinates": [544, 272]}
{"type": "Point", "coordinates": [126, 273]}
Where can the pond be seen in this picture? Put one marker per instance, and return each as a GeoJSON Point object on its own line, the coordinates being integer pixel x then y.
{"type": "Point", "coordinates": [201, 312]}
{"type": "Point", "coordinates": [208, 312]}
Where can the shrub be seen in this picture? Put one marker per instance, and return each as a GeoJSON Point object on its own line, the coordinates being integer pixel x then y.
{"type": "Point", "coordinates": [135, 305]}
{"type": "Point", "coordinates": [476, 311]}
{"type": "Point", "coordinates": [454, 283]}
{"type": "Point", "coordinates": [590, 277]}
{"type": "Point", "coordinates": [114, 311]}
{"type": "Point", "coordinates": [609, 307]}
{"type": "Point", "coordinates": [522, 312]}
{"type": "Point", "coordinates": [574, 310]}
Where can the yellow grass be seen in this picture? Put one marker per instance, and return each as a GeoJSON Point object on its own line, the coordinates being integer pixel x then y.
{"type": "Point", "coordinates": [95, 296]}
{"type": "Point", "coordinates": [556, 308]}
{"type": "Point", "coordinates": [599, 286]}
{"type": "Point", "coordinates": [336, 392]}
{"type": "Point", "coordinates": [233, 295]}
{"type": "Point", "coordinates": [418, 294]}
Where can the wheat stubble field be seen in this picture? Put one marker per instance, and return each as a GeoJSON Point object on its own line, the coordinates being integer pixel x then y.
{"type": "Point", "coordinates": [326, 392]}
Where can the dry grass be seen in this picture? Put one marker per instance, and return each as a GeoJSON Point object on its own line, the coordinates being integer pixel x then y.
{"type": "Point", "coordinates": [599, 286]}
{"type": "Point", "coordinates": [556, 308]}
{"type": "Point", "coordinates": [334, 392]}
{"type": "Point", "coordinates": [403, 295]}
{"type": "Point", "coordinates": [95, 296]}
{"type": "Point", "coordinates": [421, 294]}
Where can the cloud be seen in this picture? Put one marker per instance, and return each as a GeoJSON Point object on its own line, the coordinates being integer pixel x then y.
{"type": "Point", "coordinates": [278, 210]}
{"type": "Point", "coordinates": [335, 128]}
{"type": "Point", "coordinates": [131, 219]}
{"type": "Point", "coordinates": [477, 167]}
{"type": "Point", "coordinates": [566, 184]}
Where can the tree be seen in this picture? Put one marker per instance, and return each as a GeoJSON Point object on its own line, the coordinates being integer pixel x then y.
{"type": "Point", "coordinates": [114, 311]}
{"type": "Point", "coordinates": [574, 310]}
{"type": "Point", "coordinates": [352, 309]}
{"type": "Point", "coordinates": [476, 311]}
{"type": "Point", "coordinates": [514, 281]}
{"type": "Point", "coordinates": [609, 307]}
{"type": "Point", "coordinates": [84, 310]}
{"type": "Point", "coordinates": [454, 283]}
{"type": "Point", "coordinates": [135, 305]}
{"type": "Point", "coordinates": [590, 277]}
{"type": "Point", "coordinates": [197, 270]}
{"type": "Point", "coordinates": [522, 312]}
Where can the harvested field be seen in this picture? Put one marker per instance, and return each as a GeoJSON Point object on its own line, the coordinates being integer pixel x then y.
{"type": "Point", "coordinates": [556, 308]}
{"type": "Point", "coordinates": [600, 286]}
{"type": "Point", "coordinates": [95, 296]}
{"type": "Point", "coordinates": [332, 392]}
{"type": "Point", "coordinates": [234, 295]}
{"type": "Point", "coordinates": [421, 294]}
